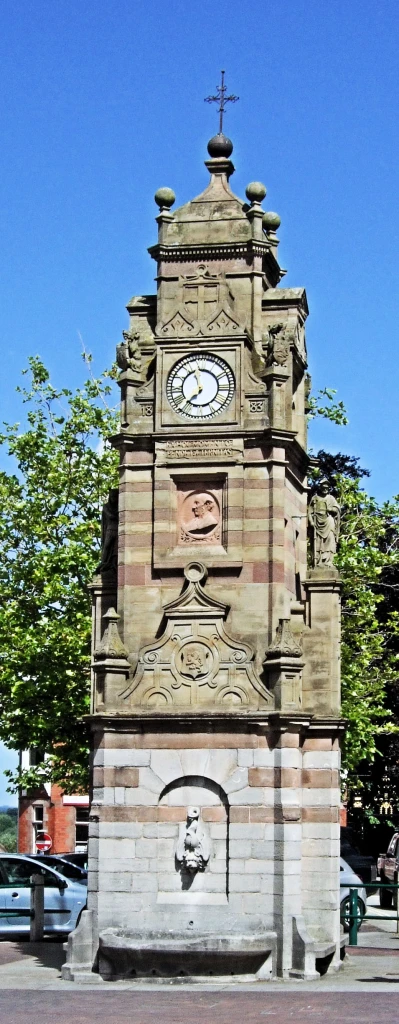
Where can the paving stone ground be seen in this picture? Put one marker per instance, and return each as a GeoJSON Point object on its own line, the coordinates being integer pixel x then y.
{"type": "Point", "coordinates": [180, 1007]}
{"type": "Point", "coordinates": [365, 991]}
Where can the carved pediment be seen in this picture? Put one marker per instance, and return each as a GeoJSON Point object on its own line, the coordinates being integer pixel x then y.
{"type": "Point", "coordinates": [179, 325]}
{"type": "Point", "coordinates": [195, 665]}
{"type": "Point", "coordinates": [222, 323]}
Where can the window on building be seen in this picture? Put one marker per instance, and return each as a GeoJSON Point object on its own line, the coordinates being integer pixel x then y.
{"type": "Point", "coordinates": [36, 756]}
{"type": "Point", "coordinates": [38, 820]}
{"type": "Point", "coordinates": [82, 828]}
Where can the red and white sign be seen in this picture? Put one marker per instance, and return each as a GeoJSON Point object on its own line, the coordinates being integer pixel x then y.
{"type": "Point", "coordinates": [44, 842]}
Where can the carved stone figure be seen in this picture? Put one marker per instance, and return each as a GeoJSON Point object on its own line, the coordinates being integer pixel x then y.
{"type": "Point", "coordinates": [109, 537]}
{"type": "Point", "coordinates": [278, 345]}
{"type": "Point", "coordinates": [128, 352]}
{"type": "Point", "coordinates": [193, 846]}
{"type": "Point", "coordinates": [204, 518]}
{"type": "Point", "coordinates": [324, 521]}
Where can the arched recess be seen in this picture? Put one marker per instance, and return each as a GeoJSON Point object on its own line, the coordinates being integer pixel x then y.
{"type": "Point", "coordinates": [215, 813]}
{"type": "Point", "coordinates": [202, 782]}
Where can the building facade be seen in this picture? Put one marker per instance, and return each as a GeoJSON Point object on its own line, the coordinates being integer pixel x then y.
{"type": "Point", "coordinates": [64, 817]}
{"type": "Point", "coordinates": [214, 824]}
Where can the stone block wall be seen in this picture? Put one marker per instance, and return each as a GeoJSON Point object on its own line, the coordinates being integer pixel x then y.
{"type": "Point", "coordinates": [269, 803]}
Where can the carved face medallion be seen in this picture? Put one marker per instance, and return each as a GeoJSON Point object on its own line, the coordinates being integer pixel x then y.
{"type": "Point", "coordinates": [200, 386]}
{"type": "Point", "coordinates": [200, 516]}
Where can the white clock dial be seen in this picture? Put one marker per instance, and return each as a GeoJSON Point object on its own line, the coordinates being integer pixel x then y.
{"type": "Point", "coordinates": [200, 386]}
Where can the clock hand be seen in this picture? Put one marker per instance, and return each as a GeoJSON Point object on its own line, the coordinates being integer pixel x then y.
{"type": "Point", "coordinates": [199, 381]}
{"type": "Point", "coordinates": [199, 386]}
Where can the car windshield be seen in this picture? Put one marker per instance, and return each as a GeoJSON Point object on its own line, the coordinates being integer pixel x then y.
{"type": "Point", "coordinates": [70, 870]}
{"type": "Point", "coordinates": [65, 868]}
{"type": "Point", "coordinates": [18, 872]}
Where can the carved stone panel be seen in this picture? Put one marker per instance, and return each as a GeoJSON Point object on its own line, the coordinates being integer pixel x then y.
{"type": "Point", "coordinates": [199, 516]}
{"type": "Point", "coordinates": [204, 306]}
{"type": "Point", "coordinates": [191, 512]}
{"type": "Point", "coordinates": [195, 664]}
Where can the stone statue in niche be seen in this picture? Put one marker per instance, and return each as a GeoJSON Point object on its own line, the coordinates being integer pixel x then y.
{"type": "Point", "coordinates": [109, 538]}
{"type": "Point", "coordinates": [193, 846]}
{"type": "Point", "coordinates": [324, 522]}
{"type": "Point", "coordinates": [128, 353]}
{"type": "Point", "coordinates": [200, 517]}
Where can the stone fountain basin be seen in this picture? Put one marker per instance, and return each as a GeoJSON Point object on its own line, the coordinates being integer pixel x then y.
{"type": "Point", "coordinates": [124, 954]}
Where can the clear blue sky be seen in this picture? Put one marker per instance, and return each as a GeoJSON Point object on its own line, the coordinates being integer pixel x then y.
{"type": "Point", "coordinates": [102, 103]}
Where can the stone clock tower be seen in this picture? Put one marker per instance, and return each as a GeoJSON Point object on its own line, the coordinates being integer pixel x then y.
{"type": "Point", "coordinates": [215, 699]}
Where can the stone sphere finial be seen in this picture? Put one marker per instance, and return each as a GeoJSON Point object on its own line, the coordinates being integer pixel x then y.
{"type": "Point", "coordinates": [220, 145]}
{"type": "Point", "coordinates": [164, 198]}
{"type": "Point", "coordinates": [271, 221]}
{"type": "Point", "coordinates": [255, 191]}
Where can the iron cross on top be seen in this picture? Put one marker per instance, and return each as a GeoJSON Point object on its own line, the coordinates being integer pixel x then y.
{"type": "Point", "coordinates": [221, 99]}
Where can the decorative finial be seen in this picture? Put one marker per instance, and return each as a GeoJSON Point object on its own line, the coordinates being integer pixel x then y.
{"type": "Point", "coordinates": [255, 191]}
{"type": "Point", "coordinates": [271, 221]}
{"type": "Point", "coordinates": [164, 198]}
{"type": "Point", "coordinates": [221, 99]}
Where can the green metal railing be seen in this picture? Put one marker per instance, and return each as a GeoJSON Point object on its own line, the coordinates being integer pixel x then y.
{"type": "Point", "coordinates": [354, 919]}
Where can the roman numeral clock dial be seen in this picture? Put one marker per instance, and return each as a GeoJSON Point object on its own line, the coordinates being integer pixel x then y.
{"type": "Point", "coordinates": [200, 386]}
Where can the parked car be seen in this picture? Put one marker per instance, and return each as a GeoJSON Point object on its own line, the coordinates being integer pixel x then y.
{"type": "Point", "coordinates": [64, 898]}
{"type": "Point", "coordinates": [348, 878]}
{"type": "Point", "coordinates": [362, 863]}
{"type": "Point", "coordinates": [62, 864]}
{"type": "Point", "coordinates": [388, 868]}
{"type": "Point", "coordinates": [75, 858]}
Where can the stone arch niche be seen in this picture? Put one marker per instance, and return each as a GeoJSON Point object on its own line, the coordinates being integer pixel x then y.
{"type": "Point", "coordinates": [193, 856]}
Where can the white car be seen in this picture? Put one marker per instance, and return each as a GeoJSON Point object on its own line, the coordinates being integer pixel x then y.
{"type": "Point", "coordinates": [64, 898]}
{"type": "Point", "coordinates": [348, 878]}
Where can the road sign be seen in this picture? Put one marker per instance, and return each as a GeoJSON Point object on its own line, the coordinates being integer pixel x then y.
{"type": "Point", "coordinates": [44, 842]}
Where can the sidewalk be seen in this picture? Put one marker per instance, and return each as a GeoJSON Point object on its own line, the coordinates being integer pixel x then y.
{"type": "Point", "coordinates": [371, 966]}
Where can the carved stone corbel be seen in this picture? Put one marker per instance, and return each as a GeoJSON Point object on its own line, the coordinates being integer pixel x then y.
{"type": "Point", "coordinates": [110, 666]}
{"type": "Point", "coordinates": [283, 668]}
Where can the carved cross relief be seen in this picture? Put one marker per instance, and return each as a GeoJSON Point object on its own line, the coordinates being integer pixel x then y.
{"type": "Point", "coordinates": [195, 664]}
{"type": "Point", "coordinates": [205, 306]}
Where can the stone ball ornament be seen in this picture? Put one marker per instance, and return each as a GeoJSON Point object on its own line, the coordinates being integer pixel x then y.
{"type": "Point", "coordinates": [271, 221]}
{"type": "Point", "coordinates": [164, 198]}
{"type": "Point", "coordinates": [255, 191]}
{"type": "Point", "coordinates": [220, 145]}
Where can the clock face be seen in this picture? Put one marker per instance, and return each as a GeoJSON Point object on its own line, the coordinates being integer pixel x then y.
{"type": "Point", "coordinates": [200, 386]}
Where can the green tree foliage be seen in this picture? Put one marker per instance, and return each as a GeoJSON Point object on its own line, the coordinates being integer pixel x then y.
{"type": "Point", "coordinates": [9, 830]}
{"type": "Point", "coordinates": [368, 562]}
{"type": "Point", "coordinates": [50, 527]}
{"type": "Point", "coordinates": [334, 411]}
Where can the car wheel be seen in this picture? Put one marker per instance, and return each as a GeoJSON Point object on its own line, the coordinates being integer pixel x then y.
{"type": "Point", "coordinates": [385, 897]}
{"type": "Point", "coordinates": [345, 913]}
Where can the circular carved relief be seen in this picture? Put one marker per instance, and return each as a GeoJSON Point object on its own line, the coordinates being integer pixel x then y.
{"type": "Point", "coordinates": [194, 660]}
{"type": "Point", "coordinates": [200, 516]}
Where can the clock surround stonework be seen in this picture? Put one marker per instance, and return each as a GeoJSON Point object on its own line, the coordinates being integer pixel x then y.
{"type": "Point", "coordinates": [215, 720]}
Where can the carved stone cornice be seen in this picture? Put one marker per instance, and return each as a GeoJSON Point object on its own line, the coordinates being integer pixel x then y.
{"type": "Point", "coordinates": [181, 253]}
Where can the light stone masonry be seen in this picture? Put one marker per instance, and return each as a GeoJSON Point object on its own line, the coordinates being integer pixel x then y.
{"type": "Point", "coordinates": [215, 716]}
